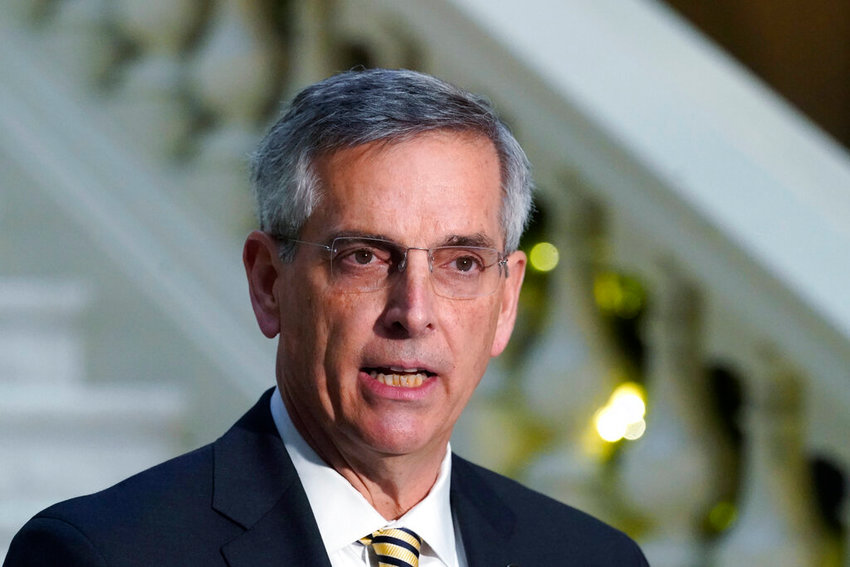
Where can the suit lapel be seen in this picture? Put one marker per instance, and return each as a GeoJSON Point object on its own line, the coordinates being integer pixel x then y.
{"type": "Point", "coordinates": [281, 538]}
{"type": "Point", "coordinates": [256, 486]}
{"type": "Point", "coordinates": [486, 523]}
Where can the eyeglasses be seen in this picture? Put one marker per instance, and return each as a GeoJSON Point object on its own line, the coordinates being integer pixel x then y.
{"type": "Point", "coordinates": [368, 264]}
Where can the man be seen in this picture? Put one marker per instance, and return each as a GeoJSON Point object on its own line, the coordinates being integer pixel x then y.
{"type": "Point", "coordinates": [391, 206]}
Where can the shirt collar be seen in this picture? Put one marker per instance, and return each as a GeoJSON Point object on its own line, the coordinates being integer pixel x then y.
{"type": "Point", "coordinates": [344, 515]}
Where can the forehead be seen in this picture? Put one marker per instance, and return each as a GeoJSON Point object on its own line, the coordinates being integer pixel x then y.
{"type": "Point", "coordinates": [425, 190]}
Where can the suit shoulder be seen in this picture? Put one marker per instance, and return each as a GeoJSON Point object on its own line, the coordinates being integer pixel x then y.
{"type": "Point", "coordinates": [156, 510]}
{"type": "Point", "coordinates": [43, 541]}
{"type": "Point", "coordinates": [179, 478]}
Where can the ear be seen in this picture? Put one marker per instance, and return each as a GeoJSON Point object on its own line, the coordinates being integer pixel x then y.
{"type": "Point", "coordinates": [510, 300]}
{"type": "Point", "coordinates": [263, 268]}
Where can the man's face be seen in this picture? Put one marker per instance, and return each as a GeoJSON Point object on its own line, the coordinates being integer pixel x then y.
{"type": "Point", "coordinates": [433, 190]}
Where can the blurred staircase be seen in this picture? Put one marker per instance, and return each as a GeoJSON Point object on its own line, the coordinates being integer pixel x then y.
{"type": "Point", "coordinates": [61, 435]}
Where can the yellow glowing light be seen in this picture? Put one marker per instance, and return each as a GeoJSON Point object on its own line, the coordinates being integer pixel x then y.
{"type": "Point", "coordinates": [607, 291]}
{"type": "Point", "coordinates": [622, 417]}
{"type": "Point", "coordinates": [627, 400]}
{"type": "Point", "coordinates": [635, 430]}
{"type": "Point", "coordinates": [543, 257]}
{"type": "Point", "coordinates": [722, 516]}
{"type": "Point", "coordinates": [609, 425]}
{"type": "Point", "coordinates": [618, 294]}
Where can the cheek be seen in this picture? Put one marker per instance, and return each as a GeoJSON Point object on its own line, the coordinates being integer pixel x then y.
{"type": "Point", "coordinates": [303, 328]}
{"type": "Point", "coordinates": [473, 332]}
{"type": "Point", "coordinates": [347, 324]}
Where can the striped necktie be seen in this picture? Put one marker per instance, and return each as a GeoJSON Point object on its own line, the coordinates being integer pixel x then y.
{"type": "Point", "coordinates": [395, 547]}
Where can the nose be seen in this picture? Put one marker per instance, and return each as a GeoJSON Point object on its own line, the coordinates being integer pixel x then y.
{"type": "Point", "coordinates": [410, 305]}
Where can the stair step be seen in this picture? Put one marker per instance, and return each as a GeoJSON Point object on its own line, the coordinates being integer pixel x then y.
{"type": "Point", "coordinates": [60, 442]}
{"type": "Point", "coordinates": [130, 406]}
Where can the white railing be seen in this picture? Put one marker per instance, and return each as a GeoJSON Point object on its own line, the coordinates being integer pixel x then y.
{"type": "Point", "coordinates": [728, 206]}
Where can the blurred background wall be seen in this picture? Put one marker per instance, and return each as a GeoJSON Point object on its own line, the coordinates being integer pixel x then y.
{"type": "Point", "coordinates": [681, 367]}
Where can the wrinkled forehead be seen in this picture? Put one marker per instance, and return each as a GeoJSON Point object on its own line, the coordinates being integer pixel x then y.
{"type": "Point", "coordinates": [433, 185]}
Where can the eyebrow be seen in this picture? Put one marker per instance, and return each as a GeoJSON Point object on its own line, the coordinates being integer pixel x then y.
{"type": "Point", "coordinates": [478, 239]}
{"type": "Point", "coordinates": [358, 234]}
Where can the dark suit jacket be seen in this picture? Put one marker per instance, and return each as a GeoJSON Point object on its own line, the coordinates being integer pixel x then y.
{"type": "Point", "coordinates": [239, 502]}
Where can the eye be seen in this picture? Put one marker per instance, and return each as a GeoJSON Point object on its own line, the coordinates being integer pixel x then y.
{"type": "Point", "coordinates": [466, 264]}
{"type": "Point", "coordinates": [360, 256]}
{"type": "Point", "coordinates": [459, 261]}
{"type": "Point", "coordinates": [363, 256]}
{"type": "Point", "coordinates": [359, 253]}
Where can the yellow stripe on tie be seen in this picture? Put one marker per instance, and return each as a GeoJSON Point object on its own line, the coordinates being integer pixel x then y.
{"type": "Point", "coordinates": [395, 547]}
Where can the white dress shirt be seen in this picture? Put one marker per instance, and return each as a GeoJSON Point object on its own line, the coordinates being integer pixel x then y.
{"type": "Point", "coordinates": [344, 515]}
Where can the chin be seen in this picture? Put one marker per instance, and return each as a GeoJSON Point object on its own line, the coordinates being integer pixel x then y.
{"type": "Point", "coordinates": [399, 440]}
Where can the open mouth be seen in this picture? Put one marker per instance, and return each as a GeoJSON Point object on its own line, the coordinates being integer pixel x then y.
{"type": "Point", "coordinates": [399, 377]}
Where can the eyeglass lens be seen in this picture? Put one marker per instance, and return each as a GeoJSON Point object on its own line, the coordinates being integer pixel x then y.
{"type": "Point", "coordinates": [366, 264]}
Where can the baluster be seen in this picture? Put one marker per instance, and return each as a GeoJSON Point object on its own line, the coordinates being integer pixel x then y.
{"type": "Point", "coordinates": [571, 371]}
{"type": "Point", "coordinates": [235, 74]}
{"type": "Point", "coordinates": [83, 40]}
{"type": "Point", "coordinates": [355, 26]}
{"type": "Point", "coordinates": [313, 53]}
{"type": "Point", "coordinates": [152, 98]}
{"type": "Point", "coordinates": [778, 524]}
{"type": "Point", "coordinates": [674, 473]}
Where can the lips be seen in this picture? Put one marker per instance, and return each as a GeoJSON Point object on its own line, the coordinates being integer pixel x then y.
{"type": "Point", "coordinates": [399, 377]}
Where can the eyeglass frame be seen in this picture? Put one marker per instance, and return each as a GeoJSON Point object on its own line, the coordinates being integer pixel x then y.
{"type": "Point", "coordinates": [502, 261]}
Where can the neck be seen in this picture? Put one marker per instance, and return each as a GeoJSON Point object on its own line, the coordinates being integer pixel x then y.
{"type": "Point", "coordinates": [392, 484]}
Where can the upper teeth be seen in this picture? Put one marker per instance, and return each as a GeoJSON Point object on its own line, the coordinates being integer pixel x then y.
{"type": "Point", "coordinates": [409, 378]}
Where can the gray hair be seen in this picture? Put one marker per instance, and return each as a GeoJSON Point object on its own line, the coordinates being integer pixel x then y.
{"type": "Point", "coordinates": [358, 107]}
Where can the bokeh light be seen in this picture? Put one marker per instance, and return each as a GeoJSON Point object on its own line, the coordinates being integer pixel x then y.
{"type": "Point", "coordinates": [618, 294]}
{"type": "Point", "coordinates": [722, 516]}
{"type": "Point", "coordinates": [609, 425]}
{"type": "Point", "coordinates": [543, 257]}
{"type": "Point", "coordinates": [628, 401]}
{"type": "Point", "coordinates": [623, 416]}
{"type": "Point", "coordinates": [635, 430]}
